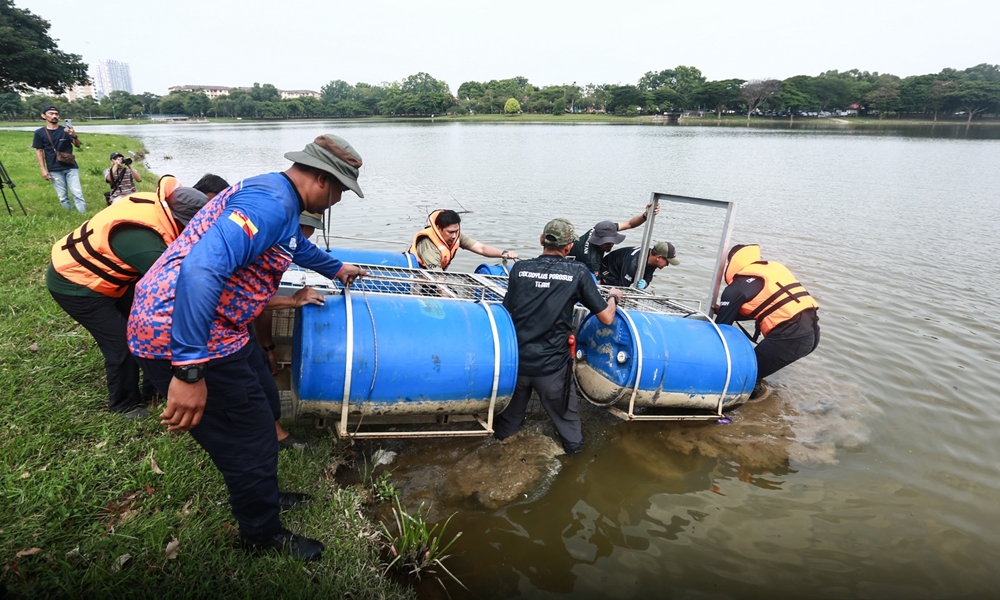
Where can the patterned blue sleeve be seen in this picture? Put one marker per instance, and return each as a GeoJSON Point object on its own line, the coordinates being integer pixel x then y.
{"type": "Point", "coordinates": [310, 257]}
{"type": "Point", "coordinates": [254, 220]}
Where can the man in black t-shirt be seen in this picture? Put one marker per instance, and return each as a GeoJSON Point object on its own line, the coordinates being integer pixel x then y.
{"type": "Point", "coordinates": [619, 267]}
{"type": "Point", "coordinates": [592, 246]}
{"type": "Point", "coordinates": [541, 293]}
{"type": "Point", "coordinates": [65, 178]}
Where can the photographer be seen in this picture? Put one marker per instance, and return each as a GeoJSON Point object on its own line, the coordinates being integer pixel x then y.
{"type": "Point", "coordinates": [121, 176]}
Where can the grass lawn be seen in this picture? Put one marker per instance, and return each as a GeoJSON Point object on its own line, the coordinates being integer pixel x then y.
{"type": "Point", "coordinates": [90, 503]}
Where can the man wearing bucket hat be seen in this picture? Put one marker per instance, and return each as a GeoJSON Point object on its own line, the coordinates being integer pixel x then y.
{"type": "Point", "coordinates": [93, 268]}
{"type": "Point", "coordinates": [541, 294]}
{"type": "Point", "coordinates": [620, 266]}
{"type": "Point", "coordinates": [593, 245]}
{"type": "Point", "coordinates": [189, 325]}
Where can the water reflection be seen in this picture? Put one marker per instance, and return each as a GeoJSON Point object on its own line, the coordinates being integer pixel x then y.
{"type": "Point", "coordinates": [941, 130]}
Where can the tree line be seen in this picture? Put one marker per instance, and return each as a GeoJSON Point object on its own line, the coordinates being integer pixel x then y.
{"type": "Point", "coordinates": [971, 93]}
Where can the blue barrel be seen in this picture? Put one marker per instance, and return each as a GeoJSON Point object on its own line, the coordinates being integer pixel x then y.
{"type": "Point", "coordinates": [498, 270]}
{"type": "Point", "coordinates": [375, 257]}
{"type": "Point", "coordinates": [408, 356]}
{"type": "Point", "coordinates": [683, 361]}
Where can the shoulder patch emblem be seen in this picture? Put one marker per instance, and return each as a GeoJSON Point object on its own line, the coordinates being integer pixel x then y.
{"type": "Point", "coordinates": [246, 224]}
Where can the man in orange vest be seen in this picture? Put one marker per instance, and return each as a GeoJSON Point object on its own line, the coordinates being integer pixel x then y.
{"type": "Point", "coordinates": [94, 267]}
{"type": "Point", "coordinates": [784, 312]}
{"type": "Point", "coordinates": [436, 245]}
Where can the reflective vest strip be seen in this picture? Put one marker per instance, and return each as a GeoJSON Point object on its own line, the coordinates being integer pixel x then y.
{"type": "Point", "coordinates": [782, 290]}
{"type": "Point", "coordinates": [84, 262]}
{"type": "Point", "coordinates": [792, 298]}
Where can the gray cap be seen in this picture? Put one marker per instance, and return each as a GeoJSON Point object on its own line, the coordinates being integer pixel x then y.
{"type": "Point", "coordinates": [606, 232]}
{"type": "Point", "coordinates": [667, 251]}
{"type": "Point", "coordinates": [332, 154]}
{"type": "Point", "coordinates": [308, 219]}
{"type": "Point", "coordinates": [559, 232]}
{"type": "Point", "coordinates": [184, 202]}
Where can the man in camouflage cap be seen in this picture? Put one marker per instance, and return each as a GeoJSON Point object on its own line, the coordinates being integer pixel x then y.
{"type": "Point", "coordinates": [541, 293]}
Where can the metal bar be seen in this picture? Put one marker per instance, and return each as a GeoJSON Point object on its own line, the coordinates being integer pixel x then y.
{"type": "Point", "coordinates": [647, 238]}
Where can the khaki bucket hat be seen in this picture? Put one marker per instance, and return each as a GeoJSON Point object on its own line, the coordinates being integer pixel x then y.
{"type": "Point", "coordinates": [332, 154]}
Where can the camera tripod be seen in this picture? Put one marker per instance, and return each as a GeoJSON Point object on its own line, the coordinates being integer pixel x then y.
{"type": "Point", "coordinates": [6, 180]}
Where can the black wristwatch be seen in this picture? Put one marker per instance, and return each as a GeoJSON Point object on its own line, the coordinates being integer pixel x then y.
{"type": "Point", "coordinates": [190, 373]}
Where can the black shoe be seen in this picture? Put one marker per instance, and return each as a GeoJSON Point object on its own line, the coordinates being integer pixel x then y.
{"type": "Point", "coordinates": [573, 448]}
{"type": "Point", "coordinates": [758, 390]}
{"type": "Point", "coordinates": [293, 443]}
{"type": "Point", "coordinates": [287, 543]}
{"type": "Point", "coordinates": [136, 413]}
{"type": "Point", "coordinates": [288, 500]}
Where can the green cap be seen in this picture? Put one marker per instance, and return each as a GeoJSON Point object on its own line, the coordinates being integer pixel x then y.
{"type": "Point", "coordinates": [309, 219]}
{"type": "Point", "coordinates": [332, 154]}
{"type": "Point", "coordinates": [559, 232]}
{"type": "Point", "coordinates": [667, 251]}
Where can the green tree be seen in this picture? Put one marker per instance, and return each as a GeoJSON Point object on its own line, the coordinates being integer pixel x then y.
{"type": "Point", "coordinates": [173, 103]}
{"type": "Point", "coordinates": [29, 58]}
{"type": "Point", "coordinates": [884, 95]}
{"type": "Point", "coordinates": [832, 90]}
{"type": "Point", "coordinates": [792, 99]}
{"type": "Point", "coordinates": [10, 105]}
{"type": "Point", "coordinates": [197, 104]}
{"type": "Point", "coordinates": [336, 91]}
{"type": "Point", "coordinates": [721, 95]}
{"type": "Point", "coordinates": [624, 99]}
{"type": "Point", "coordinates": [512, 107]}
{"type": "Point", "coordinates": [264, 93]}
{"type": "Point", "coordinates": [758, 91]}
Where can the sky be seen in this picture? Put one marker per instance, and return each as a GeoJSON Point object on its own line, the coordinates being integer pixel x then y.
{"type": "Point", "coordinates": [297, 44]}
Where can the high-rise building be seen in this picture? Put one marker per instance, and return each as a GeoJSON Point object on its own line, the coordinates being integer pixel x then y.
{"type": "Point", "coordinates": [111, 75]}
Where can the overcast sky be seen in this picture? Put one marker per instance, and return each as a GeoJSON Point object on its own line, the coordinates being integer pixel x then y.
{"type": "Point", "coordinates": [297, 44]}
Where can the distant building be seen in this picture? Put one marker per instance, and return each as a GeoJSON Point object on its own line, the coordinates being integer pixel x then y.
{"type": "Point", "coordinates": [214, 91]}
{"type": "Point", "coordinates": [80, 91]}
{"type": "Point", "coordinates": [111, 75]}
{"type": "Point", "coordinates": [291, 94]}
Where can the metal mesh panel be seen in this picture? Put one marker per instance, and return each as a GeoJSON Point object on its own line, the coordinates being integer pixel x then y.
{"type": "Point", "coordinates": [401, 281]}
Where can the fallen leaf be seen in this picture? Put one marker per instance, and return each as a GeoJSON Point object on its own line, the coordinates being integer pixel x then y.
{"type": "Point", "coordinates": [73, 552]}
{"type": "Point", "coordinates": [101, 444]}
{"type": "Point", "coordinates": [25, 475]}
{"type": "Point", "coordinates": [186, 510]}
{"type": "Point", "coordinates": [150, 490]}
{"type": "Point", "coordinates": [124, 558]}
{"type": "Point", "coordinates": [28, 552]}
{"type": "Point", "coordinates": [156, 467]}
{"type": "Point", "coordinates": [172, 549]}
{"type": "Point", "coordinates": [45, 468]}
{"type": "Point", "coordinates": [33, 347]}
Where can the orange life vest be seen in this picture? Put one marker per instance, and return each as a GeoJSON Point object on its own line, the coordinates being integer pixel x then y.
{"type": "Point", "coordinates": [85, 256]}
{"type": "Point", "coordinates": [783, 296]}
{"type": "Point", "coordinates": [437, 236]}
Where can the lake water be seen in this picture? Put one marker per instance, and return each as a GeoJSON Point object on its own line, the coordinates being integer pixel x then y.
{"type": "Point", "coordinates": [871, 471]}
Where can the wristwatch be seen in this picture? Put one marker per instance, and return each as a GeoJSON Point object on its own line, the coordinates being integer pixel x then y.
{"type": "Point", "coordinates": [189, 373]}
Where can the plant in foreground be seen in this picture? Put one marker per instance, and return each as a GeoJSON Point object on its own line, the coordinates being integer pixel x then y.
{"type": "Point", "coordinates": [417, 550]}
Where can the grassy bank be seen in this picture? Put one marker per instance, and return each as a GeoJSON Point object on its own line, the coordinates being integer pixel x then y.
{"type": "Point", "coordinates": [89, 503]}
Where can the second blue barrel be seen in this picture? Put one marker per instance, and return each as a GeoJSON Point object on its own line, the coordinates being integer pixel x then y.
{"type": "Point", "coordinates": [684, 363]}
{"type": "Point", "coordinates": [404, 355]}
{"type": "Point", "coordinates": [375, 257]}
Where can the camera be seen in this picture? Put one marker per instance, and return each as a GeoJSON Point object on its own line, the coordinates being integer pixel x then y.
{"type": "Point", "coordinates": [127, 161]}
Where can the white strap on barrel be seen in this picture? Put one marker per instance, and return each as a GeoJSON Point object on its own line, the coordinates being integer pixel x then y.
{"type": "Point", "coordinates": [729, 363]}
{"type": "Point", "coordinates": [348, 360]}
{"type": "Point", "coordinates": [496, 364]}
{"type": "Point", "coordinates": [638, 349]}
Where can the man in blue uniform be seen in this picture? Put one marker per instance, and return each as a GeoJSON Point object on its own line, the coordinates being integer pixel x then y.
{"type": "Point", "coordinates": [541, 293]}
{"type": "Point", "coordinates": [188, 326]}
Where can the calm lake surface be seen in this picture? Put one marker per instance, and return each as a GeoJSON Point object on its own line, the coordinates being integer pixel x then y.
{"type": "Point", "coordinates": [871, 471]}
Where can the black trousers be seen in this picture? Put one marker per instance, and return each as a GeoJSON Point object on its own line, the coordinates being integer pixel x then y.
{"type": "Point", "coordinates": [237, 432]}
{"type": "Point", "coordinates": [559, 399]}
{"type": "Point", "coordinates": [106, 319]}
{"type": "Point", "coordinates": [775, 354]}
